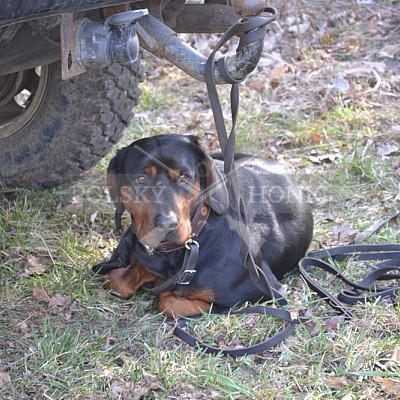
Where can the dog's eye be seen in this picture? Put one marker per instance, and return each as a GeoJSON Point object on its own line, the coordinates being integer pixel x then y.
{"type": "Point", "coordinates": [141, 180]}
{"type": "Point", "coordinates": [183, 178]}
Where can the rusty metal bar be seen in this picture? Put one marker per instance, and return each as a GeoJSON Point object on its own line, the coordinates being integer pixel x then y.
{"type": "Point", "coordinates": [163, 42]}
{"type": "Point", "coordinates": [205, 18]}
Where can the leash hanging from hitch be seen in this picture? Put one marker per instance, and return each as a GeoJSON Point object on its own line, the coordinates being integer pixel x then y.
{"type": "Point", "coordinates": [249, 29]}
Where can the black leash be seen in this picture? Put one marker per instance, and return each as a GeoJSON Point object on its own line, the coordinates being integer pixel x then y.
{"type": "Point", "coordinates": [181, 332]}
{"type": "Point", "coordinates": [387, 269]}
{"type": "Point", "coordinates": [252, 29]}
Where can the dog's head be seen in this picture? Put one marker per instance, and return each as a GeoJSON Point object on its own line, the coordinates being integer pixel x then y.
{"type": "Point", "coordinates": [161, 181]}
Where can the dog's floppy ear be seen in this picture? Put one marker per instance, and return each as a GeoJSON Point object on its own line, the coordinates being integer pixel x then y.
{"type": "Point", "coordinates": [113, 182]}
{"type": "Point", "coordinates": [216, 194]}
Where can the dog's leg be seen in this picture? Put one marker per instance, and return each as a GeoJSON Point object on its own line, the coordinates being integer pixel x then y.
{"type": "Point", "coordinates": [175, 305]}
{"type": "Point", "coordinates": [121, 257]}
{"type": "Point", "coordinates": [124, 282]}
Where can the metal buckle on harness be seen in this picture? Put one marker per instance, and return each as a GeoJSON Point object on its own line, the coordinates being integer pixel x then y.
{"type": "Point", "coordinates": [187, 276]}
{"type": "Point", "coordinates": [190, 241]}
{"type": "Point", "coordinates": [149, 249]}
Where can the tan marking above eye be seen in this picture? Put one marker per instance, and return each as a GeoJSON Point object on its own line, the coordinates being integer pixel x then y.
{"type": "Point", "coordinates": [174, 173]}
{"type": "Point", "coordinates": [151, 170]}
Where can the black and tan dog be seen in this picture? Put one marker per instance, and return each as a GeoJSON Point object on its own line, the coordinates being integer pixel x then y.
{"type": "Point", "coordinates": [175, 193]}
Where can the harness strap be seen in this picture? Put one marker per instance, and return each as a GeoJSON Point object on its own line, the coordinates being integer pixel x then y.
{"type": "Point", "coordinates": [255, 30]}
{"type": "Point", "coordinates": [185, 274]}
{"type": "Point", "coordinates": [387, 269]}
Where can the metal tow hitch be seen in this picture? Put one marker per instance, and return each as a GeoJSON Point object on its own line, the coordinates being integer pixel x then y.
{"type": "Point", "coordinates": [86, 44]}
{"type": "Point", "coordinates": [89, 45]}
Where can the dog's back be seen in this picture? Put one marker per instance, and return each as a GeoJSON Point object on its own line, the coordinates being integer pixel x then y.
{"type": "Point", "coordinates": [280, 218]}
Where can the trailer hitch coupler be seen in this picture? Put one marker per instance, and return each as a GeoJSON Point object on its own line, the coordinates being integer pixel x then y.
{"type": "Point", "coordinates": [116, 41]}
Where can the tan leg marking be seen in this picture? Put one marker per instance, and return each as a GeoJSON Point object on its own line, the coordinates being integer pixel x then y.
{"type": "Point", "coordinates": [126, 281]}
{"type": "Point", "coordinates": [189, 304]}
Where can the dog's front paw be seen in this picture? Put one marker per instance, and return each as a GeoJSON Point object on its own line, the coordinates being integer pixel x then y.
{"type": "Point", "coordinates": [104, 268]}
{"type": "Point", "coordinates": [120, 283]}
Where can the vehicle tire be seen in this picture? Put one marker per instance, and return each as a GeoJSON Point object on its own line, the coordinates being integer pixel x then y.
{"type": "Point", "coordinates": [63, 128]}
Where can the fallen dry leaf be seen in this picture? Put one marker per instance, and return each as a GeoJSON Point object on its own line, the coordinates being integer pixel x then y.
{"type": "Point", "coordinates": [277, 74]}
{"type": "Point", "coordinates": [338, 382]}
{"type": "Point", "coordinates": [332, 324]}
{"type": "Point", "coordinates": [312, 327]}
{"type": "Point", "coordinates": [257, 84]}
{"type": "Point", "coordinates": [4, 378]}
{"type": "Point", "coordinates": [121, 389]}
{"type": "Point", "coordinates": [33, 266]}
{"type": "Point", "coordinates": [316, 138]}
{"type": "Point", "coordinates": [324, 158]}
{"type": "Point", "coordinates": [22, 327]}
{"type": "Point", "coordinates": [314, 159]}
{"type": "Point", "coordinates": [390, 385]}
{"type": "Point", "coordinates": [391, 362]}
{"type": "Point", "coordinates": [386, 149]}
{"type": "Point", "coordinates": [93, 217]}
{"type": "Point", "coordinates": [328, 216]}
{"type": "Point", "coordinates": [341, 84]}
{"type": "Point", "coordinates": [251, 321]}
{"type": "Point", "coordinates": [32, 262]}
{"type": "Point", "coordinates": [60, 301]}
{"type": "Point", "coordinates": [156, 385]}
{"type": "Point", "coordinates": [389, 51]}
{"type": "Point", "coordinates": [345, 232]}
{"type": "Point", "coordinates": [40, 294]}
{"type": "Point", "coordinates": [396, 355]}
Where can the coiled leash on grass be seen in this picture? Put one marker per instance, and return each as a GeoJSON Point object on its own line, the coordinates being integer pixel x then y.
{"type": "Point", "coordinates": [252, 29]}
{"type": "Point", "coordinates": [387, 269]}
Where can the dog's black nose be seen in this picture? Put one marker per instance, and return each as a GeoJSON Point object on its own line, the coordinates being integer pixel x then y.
{"type": "Point", "coordinates": [166, 223]}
